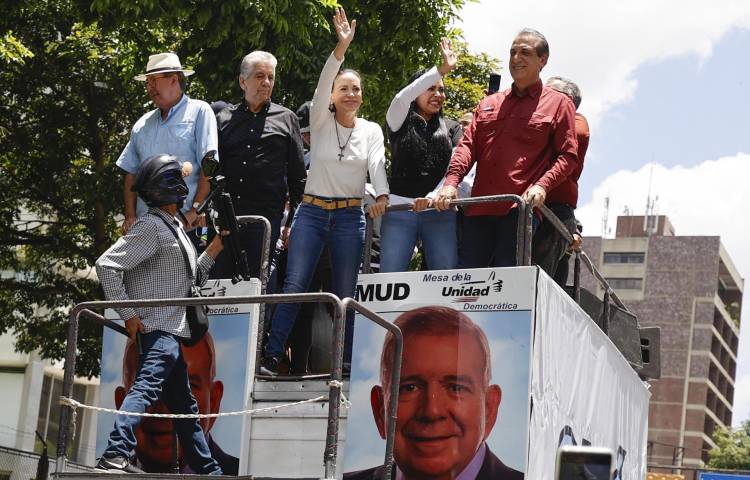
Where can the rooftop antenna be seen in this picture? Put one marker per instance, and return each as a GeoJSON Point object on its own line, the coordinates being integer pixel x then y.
{"type": "Point", "coordinates": [605, 217]}
{"type": "Point", "coordinates": [650, 217]}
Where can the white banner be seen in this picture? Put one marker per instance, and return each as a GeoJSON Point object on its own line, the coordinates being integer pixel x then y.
{"type": "Point", "coordinates": [221, 368]}
{"type": "Point", "coordinates": [464, 393]}
{"type": "Point", "coordinates": [583, 390]}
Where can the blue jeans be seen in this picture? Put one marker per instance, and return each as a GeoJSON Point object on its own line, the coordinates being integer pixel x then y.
{"type": "Point", "coordinates": [490, 241]}
{"type": "Point", "coordinates": [343, 230]}
{"type": "Point", "coordinates": [162, 373]}
{"type": "Point", "coordinates": [401, 229]}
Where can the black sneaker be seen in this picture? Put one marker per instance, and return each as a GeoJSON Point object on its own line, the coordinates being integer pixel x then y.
{"type": "Point", "coordinates": [269, 366]}
{"type": "Point", "coordinates": [116, 465]}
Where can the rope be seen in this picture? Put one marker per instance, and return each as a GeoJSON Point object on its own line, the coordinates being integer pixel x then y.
{"type": "Point", "coordinates": [339, 384]}
{"type": "Point", "coordinates": [74, 404]}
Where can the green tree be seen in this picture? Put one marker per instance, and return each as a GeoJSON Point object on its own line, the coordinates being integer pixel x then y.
{"type": "Point", "coordinates": [732, 448]}
{"type": "Point", "coordinates": [466, 85]}
{"type": "Point", "coordinates": [69, 101]}
{"type": "Point", "coordinates": [393, 39]}
{"type": "Point", "coordinates": [67, 106]}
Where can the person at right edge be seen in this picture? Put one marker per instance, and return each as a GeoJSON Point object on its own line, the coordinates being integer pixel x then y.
{"type": "Point", "coordinates": [345, 148]}
{"type": "Point", "coordinates": [422, 141]}
{"type": "Point", "coordinates": [523, 141]}
{"type": "Point", "coordinates": [152, 261]}
{"type": "Point", "coordinates": [550, 250]}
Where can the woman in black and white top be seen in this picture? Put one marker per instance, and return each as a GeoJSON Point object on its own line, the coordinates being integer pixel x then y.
{"type": "Point", "coordinates": [343, 148]}
{"type": "Point", "coordinates": [421, 145]}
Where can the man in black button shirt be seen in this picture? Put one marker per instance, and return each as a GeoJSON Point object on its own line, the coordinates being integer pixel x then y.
{"type": "Point", "coordinates": [260, 147]}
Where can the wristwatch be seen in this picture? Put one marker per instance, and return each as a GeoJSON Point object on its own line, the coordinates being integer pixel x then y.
{"type": "Point", "coordinates": [196, 205]}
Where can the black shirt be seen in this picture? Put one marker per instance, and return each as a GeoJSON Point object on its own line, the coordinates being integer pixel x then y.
{"type": "Point", "coordinates": [420, 153]}
{"type": "Point", "coordinates": [261, 157]}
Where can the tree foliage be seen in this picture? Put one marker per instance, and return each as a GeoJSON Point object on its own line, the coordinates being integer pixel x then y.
{"type": "Point", "coordinates": [732, 448]}
{"type": "Point", "coordinates": [67, 106]}
{"type": "Point", "coordinates": [393, 39]}
{"type": "Point", "coordinates": [69, 101]}
{"type": "Point", "coordinates": [466, 85]}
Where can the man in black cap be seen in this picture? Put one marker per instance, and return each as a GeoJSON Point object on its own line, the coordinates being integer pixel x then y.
{"type": "Point", "coordinates": [153, 260]}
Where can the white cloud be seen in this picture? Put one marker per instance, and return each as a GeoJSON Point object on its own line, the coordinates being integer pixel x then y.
{"type": "Point", "coordinates": [706, 199]}
{"type": "Point", "coordinates": [599, 44]}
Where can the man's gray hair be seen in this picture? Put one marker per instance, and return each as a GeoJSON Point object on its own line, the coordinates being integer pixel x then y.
{"type": "Point", "coordinates": [253, 58]}
{"type": "Point", "coordinates": [542, 47]}
{"type": "Point", "coordinates": [566, 86]}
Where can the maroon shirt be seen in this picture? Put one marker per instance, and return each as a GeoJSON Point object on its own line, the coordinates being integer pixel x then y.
{"type": "Point", "coordinates": [567, 191]}
{"type": "Point", "coordinates": [517, 142]}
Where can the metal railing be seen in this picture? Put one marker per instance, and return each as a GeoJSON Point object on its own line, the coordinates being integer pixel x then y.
{"type": "Point", "coordinates": [524, 233]}
{"type": "Point", "coordinates": [523, 228]}
{"type": "Point", "coordinates": [335, 385]}
{"type": "Point", "coordinates": [523, 257]}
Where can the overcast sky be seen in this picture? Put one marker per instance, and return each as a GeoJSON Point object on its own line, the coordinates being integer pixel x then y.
{"type": "Point", "coordinates": [665, 91]}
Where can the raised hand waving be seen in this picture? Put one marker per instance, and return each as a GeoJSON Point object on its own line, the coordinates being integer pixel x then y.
{"type": "Point", "coordinates": [450, 59]}
{"type": "Point", "coordinates": [344, 30]}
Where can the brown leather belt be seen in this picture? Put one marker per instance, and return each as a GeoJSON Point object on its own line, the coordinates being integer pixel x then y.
{"type": "Point", "coordinates": [331, 203]}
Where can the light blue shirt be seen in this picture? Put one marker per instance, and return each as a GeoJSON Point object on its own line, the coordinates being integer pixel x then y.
{"type": "Point", "coordinates": [188, 132]}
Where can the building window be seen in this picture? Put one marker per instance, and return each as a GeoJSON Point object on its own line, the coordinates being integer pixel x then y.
{"type": "Point", "coordinates": [626, 283]}
{"type": "Point", "coordinates": [624, 257]}
{"type": "Point", "coordinates": [49, 416]}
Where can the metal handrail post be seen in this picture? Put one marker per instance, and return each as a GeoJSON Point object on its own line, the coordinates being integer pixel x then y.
{"type": "Point", "coordinates": [367, 251]}
{"type": "Point", "coordinates": [577, 277]}
{"type": "Point", "coordinates": [67, 388]}
{"type": "Point", "coordinates": [550, 216]}
{"type": "Point", "coordinates": [521, 235]}
{"type": "Point", "coordinates": [602, 281]}
{"type": "Point", "coordinates": [335, 386]}
{"type": "Point", "coordinates": [395, 380]}
{"type": "Point", "coordinates": [265, 254]}
{"type": "Point", "coordinates": [605, 313]}
{"type": "Point", "coordinates": [71, 346]}
{"type": "Point", "coordinates": [528, 226]}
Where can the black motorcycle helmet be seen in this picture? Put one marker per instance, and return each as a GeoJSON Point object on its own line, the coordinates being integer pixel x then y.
{"type": "Point", "coordinates": [159, 181]}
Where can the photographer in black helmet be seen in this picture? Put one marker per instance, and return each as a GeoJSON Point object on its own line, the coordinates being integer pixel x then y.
{"type": "Point", "coordinates": [155, 259]}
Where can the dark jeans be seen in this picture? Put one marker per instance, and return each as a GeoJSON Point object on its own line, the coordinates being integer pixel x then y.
{"type": "Point", "coordinates": [251, 239]}
{"type": "Point", "coordinates": [300, 338]}
{"type": "Point", "coordinates": [489, 240]}
{"type": "Point", "coordinates": [162, 373]}
{"type": "Point", "coordinates": [343, 231]}
{"type": "Point", "coordinates": [549, 247]}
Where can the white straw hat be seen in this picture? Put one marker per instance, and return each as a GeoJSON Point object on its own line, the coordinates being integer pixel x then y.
{"type": "Point", "coordinates": [163, 63]}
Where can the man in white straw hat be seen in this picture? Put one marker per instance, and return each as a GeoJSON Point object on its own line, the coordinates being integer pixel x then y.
{"type": "Point", "coordinates": [179, 126]}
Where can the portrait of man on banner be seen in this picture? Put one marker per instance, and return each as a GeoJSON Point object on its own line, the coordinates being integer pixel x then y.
{"type": "Point", "coordinates": [218, 379]}
{"type": "Point", "coordinates": [449, 403]}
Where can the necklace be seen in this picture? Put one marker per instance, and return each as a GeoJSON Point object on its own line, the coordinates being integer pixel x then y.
{"type": "Point", "coordinates": [338, 139]}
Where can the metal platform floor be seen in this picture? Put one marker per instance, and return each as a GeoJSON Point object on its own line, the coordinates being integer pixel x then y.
{"type": "Point", "coordinates": [151, 476]}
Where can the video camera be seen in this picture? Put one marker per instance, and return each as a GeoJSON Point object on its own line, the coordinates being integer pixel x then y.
{"type": "Point", "coordinates": [220, 214]}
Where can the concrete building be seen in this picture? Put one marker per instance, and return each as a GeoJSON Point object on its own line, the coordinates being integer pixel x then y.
{"type": "Point", "coordinates": [30, 389]}
{"type": "Point", "coordinates": [688, 286]}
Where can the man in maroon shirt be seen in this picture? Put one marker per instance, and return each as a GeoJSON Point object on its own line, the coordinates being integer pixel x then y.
{"type": "Point", "coordinates": [549, 249]}
{"type": "Point", "coordinates": [523, 140]}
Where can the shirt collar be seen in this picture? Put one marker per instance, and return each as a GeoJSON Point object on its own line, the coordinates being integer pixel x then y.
{"type": "Point", "coordinates": [469, 473]}
{"type": "Point", "coordinates": [175, 107]}
{"type": "Point", "coordinates": [162, 214]}
{"type": "Point", "coordinates": [534, 91]}
{"type": "Point", "coordinates": [264, 110]}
